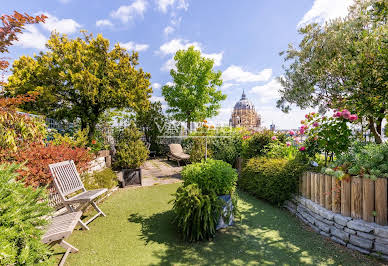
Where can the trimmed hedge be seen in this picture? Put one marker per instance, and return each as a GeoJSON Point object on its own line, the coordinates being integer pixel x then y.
{"type": "Point", "coordinates": [256, 144]}
{"type": "Point", "coordinates": [272, 179]}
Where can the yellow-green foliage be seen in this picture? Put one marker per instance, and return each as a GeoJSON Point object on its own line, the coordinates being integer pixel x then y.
{"type": "Point", "coordinates": [102, 179]}
{"type": "Point", "coordinates": [79, 139]}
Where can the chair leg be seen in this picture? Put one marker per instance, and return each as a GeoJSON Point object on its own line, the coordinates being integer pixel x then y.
{"type": "Point", "coordinates": [97, 209]}
{"type": "Point", "coordinates": [83, 225]}
{"type": "Point", "coordinates": [69, 249]}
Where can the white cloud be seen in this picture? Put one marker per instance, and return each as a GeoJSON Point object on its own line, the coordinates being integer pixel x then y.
{"type": "Point", "coordinates": [170, 83]}
{"type": "Point", "coordinates": [237, 74]}
{"type": "Point", "coordinates": [156, 85]}
{"type": "Point", "coordinates": [268, 91]}
{"type": "Point", "coordinates": [32, 38]}
{"type": "Point", "coordinates": [63, 26]}
{"type": "Point", "coordinates": [129, 12]}
{"type": "Point", "coordinates": [104, 23]}
{"type": "Point", "coordinates": [324, 10]}
{"type": "Point", "coordinates": [171, 47]}
{"type": "Point", "coordinates": [228, 85]}
{"type": "Point", "coordinates": [134, 46]}
{"type": "Point", "coordinates": [164, 5]}
{"type": "Point", "coordinates": [168, 30]}
{"type": "Point", "coordinates": [158, 99]}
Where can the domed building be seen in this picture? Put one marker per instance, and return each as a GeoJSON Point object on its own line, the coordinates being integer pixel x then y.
{"type": "Point", "coordinates": [245, 115]}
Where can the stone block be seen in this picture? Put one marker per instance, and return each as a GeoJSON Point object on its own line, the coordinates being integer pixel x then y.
{"type": "Point", "coordinates": [366, 236]}
{"type": "Point", "coordinates": [360, 225]}
{"type": "Point", "coordinates": [339, 226]}
{"type": "Point", "coordinates": [328, 215]}
{"type": "Point", "coordinates": [344, 236]}
{"type": "Point", "coordinates": [342, 220]}
{"type": "Point", "coordinates": [324, 227]}
{"type": "Point", "coordinates": [302, 218]}
{"type": "Point", "coordinates": [360, 242]}
{"type": "Point", "coordinates": [381, 248]}
{"type": "Point", "coordinates": [339, 241]}
{"type": "Point", "coordinates": [381, 240]}
{"type": "Point", "coordinates": [350, 231]}
{"type": "Point", "coordinates": [316, 229]}
{"type": "Point", "coordinates": [309, 218]}
{"type": "Point", "coordinates": [324, 234]}
{"type": "Point", "coordinates": [364, 251]}
{"type": "Point", "coordinates": [327, 222]}
{"type": "Point", "coordinates": [381, 231]}
{"type": "Point", "coordinates": [293, 211]}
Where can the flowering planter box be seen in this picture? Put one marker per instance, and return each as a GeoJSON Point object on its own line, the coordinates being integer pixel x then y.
{"type": "Point", "coordinates": [130, 177]}
{"type": "Point", "coordinates": [226, 218]}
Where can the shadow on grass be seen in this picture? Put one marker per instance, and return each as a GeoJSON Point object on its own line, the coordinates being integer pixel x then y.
{"type": "Point", "coordinates": [266, 235]}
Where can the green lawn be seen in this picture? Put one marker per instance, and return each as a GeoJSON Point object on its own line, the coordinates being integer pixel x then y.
{"type": "Point", "coordinates": [138, 231]}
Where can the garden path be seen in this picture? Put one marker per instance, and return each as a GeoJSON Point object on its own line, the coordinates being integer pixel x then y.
{"type": "Point", "coordinates": [160, 171]}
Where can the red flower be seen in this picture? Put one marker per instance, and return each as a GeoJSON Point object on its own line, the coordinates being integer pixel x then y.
{"type": "Point", "coordinates": [94, 142]}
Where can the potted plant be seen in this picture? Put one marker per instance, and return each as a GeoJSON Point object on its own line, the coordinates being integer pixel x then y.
{"type": "Point", "coordinates": [203, 203]}
{"type": "Point", "coordinates": [131, 153]}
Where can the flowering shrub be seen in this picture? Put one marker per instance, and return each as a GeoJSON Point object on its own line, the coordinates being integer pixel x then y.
{"type": "Point", "coordinates": [255, 144]}
{"type": "Point", "coordinates": [329, 134]}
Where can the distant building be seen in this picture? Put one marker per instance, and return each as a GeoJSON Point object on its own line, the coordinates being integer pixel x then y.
{"type": "Point", "coordinates": [245, 115]}
{"type": "Point", "coordinates": [272, 127]}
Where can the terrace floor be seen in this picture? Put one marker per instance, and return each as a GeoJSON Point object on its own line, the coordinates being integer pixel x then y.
{"type": "Point", "coordinates": [138, 231]}
{"type": "Point", "coordinates": [160, 171]}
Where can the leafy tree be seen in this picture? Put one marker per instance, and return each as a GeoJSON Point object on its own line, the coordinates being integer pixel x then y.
{"type": "Point", "coordinates": [80, 79]}
{"type": "Point", "coordinates": [194, 95]}
{"type": "Point", "coordinates": [12, 25]}
{"type": "Point", "coordinates": [152, 122]}
{"type": "Point", "coordinates": [342, 64]}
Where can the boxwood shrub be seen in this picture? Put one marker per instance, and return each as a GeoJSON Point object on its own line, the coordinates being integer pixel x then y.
{"type": "Point", "coordinates": [211, 176]}
{"type": "Point", "coordinates": [272, 179]}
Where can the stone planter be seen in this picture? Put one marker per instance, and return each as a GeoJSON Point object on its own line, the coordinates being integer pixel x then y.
{"type": "Point", "coordinates": [129, 177]}
{"type": "Point", "coordinates": [103, 153]}
{"type": "Point", "coordinates": [226, 211]}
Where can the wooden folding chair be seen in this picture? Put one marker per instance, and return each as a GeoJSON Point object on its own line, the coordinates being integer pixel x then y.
{"type": "Point", "coordinates": [61, 227]}
{"type": "Point", "coordinates": [67, 182]}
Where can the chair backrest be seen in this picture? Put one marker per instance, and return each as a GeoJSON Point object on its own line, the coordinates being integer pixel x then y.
{"type": "Point", "coordinates": [175, 148]}
{"type": "Point", "coordinates": [66, 178]}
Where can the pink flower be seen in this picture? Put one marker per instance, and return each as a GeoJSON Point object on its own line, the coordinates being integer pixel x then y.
{"type": "Point", "coordinates": [353, 117]}
{"type": "Point", "coordinates": [288, 144]}
{"type": "Point", "coordinates": [274, 138]}
{"type": "Point", "coordinates": [292, 133]}
{"type": "Point", "coordinates": [306, 116]}
{"type": "Point", "coordinates": [312, 113]}
{"type": "Point", "coordinates": [302, 122]}
{"type": "Point", "coordinates": [301, 131]}
{"type": "Point", "coordinates": [303, 148]}
{"type": "Point", "coordinates": [345, 114]}
{"type": "Point", "coordinates": [337, 114]}
{"type": "Point", "coordinates": [315, 124]}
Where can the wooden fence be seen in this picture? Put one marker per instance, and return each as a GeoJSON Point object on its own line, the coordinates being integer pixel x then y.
{"type": "Point", "coordinates": [360, 198]}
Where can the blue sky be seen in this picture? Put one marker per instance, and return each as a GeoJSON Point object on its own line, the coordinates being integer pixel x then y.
{"type": "Point", "coordinates": [243, 37]}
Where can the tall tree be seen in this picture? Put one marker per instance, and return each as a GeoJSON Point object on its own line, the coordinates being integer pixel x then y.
{"type": "Point", "coordinates": [342, 64]}
{"type": "Point", "coordinates": [193, 95]}
{"type": "Point", "coordinates": [79, 79]}
{"type": "Point", "coordinates": [152, 122]}
{"type": "Point", "coordinates": [12, 25]}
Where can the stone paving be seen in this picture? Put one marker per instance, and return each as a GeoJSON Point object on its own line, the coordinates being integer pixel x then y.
{"type": "Point", "coordinates": [160, 171]}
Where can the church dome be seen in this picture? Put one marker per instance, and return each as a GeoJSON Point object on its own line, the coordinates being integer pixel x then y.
{"type": "Point", "coordinates": [244, 103]}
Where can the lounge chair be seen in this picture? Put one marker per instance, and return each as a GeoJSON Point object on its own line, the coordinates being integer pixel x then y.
{"type": "Point", "coordinates": [177, 154]}
{"type": "Point", "coordinates": [60, 228]}
{"type": "Point", "coordinates": [67, 183]}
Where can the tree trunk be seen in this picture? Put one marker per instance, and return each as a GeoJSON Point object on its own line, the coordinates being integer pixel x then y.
{"type": "Point", "coordinates": [375, 130]}
{"type": "Point", "coordinates": [188, 124]}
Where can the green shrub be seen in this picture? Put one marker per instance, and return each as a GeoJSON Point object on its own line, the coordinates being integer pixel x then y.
{"type": "Point", "coordinates": [101, 179]}
{"type": "Point", "coordinates": [227, 145]}
{"type": "Point", "coordinates": [256, 144]}
{"type": "Point", "coordinates": [21, 216]}
{"type": "Point", "coordinates": [198, 149]}
{"type": "Point", "coordinates": [272, 179]}
{"type": "Point", "coordinates": [131, 151]}
{"type": "Point", "coordinates": [211, 176]}
{"type": "Point", "coordinates": [196, 215]}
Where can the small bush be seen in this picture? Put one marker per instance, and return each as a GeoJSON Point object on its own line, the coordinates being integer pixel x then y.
{"type": "Point", "coordinates": [21, 217]}
{"type": "Point", "coordinates": [78, 139]}
{"type": "Point", "coordinates": [37, 158]}
{"type": "Point", "coordinates": [196, 214]}
{"type": "Point", "coordinates": [256, 144]}
{"type": "Point", "coordinates": [198, 150]}
{"type": "Point", "coordinates": [131, 151]}
{"type": "Point", "coordinates": [211, 176]}
{"type": "Point", "coordinates": [227, 146]}
{"type": "Point", "coordinates": [101, 179]}
{"type": "Point", "coordinates": [272, 179]}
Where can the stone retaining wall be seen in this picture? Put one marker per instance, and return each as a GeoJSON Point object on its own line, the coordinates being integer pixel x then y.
{"type": "Point", "coordinates": [367, 238]}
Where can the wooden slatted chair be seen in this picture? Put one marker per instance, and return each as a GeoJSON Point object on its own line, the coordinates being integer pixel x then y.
{"type": "Point", "coordinates": [67, 182]}
{"type": "Point", "coordinates": [61, 228]}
